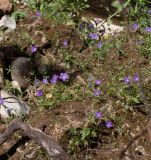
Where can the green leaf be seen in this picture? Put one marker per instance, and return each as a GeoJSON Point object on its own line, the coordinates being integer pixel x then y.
{"type": "Point", "coordinates": [117, 5]}
{"type": "Point", "coordinates": [85, 132]}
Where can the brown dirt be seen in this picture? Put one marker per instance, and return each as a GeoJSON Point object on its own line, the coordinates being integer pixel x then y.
{"type": "Point", "coordinates": [57, 121]}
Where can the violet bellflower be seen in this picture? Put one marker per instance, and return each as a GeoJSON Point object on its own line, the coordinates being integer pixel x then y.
{"type": "Point", "coordinates": [97, 82]}
{"type": "Point", "coordinates": [147, 29]}
{"type": "Point", "coordinates": [65, 42]}
{"type": "Point", "coordinates": [149, 11]}
{"type": "Point", "coordinates": [38, 13]}
{"type": "Point", "coordinates": [135, 26]}
{"type": "Point", "coordinates": [93, 36]}
{"type": "Point", "coordinates": [64, 76]}
{"type": "Point", "coordinates": [45, 81]}
{"type": "Point", "coordinates": [98, 114]}
{"type": "Point", "coordinates": [39, 93]}
{"type": "Point", "coordinates": [1, 101]}
{"type": "Point", "coordinates": [126, 80]}
{"type": "Point", "coordinates": [33, 48]}
{"type": "Point", "coordinates": [108, 124]}
{"type": "Point", "coordinates": [96, 92]}
{"type": "Point", "coordinates": [99, 45]}
{"type": "Point", "coordinates": [90, 26]}
{"type": "Point", "coordinates": [136, 78]}
{"type": "Point", "coordinates": [54, 79]}
{"type": "Point", "coordinates": [36, 82]}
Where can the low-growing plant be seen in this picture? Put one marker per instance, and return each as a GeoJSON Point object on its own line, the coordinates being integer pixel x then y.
{"type": "Point", "coordinates": [62, 11]}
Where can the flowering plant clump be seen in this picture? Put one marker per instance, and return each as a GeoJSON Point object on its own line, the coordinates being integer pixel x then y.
{"type": "Point", "coordinates": [127, 79]}
{"type": "Point", "coordinates": [54, 79]}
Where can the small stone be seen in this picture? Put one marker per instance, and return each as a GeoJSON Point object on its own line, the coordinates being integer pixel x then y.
{"type": "Point", "coordinates": [21, 71]}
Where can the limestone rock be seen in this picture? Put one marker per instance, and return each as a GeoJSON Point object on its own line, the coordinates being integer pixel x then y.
{"type": "Point", "coordinates": [12, 106]}
{"type": "Point", "coordinates": [21, 71]}
{"type": "Point", "coordinates": [8, 22]}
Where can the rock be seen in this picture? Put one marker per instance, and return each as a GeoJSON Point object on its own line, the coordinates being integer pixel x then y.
{"type": "Point", "coordinates": [12, 106]}
{"type": "Point", "coordinates": [5, 6]}
{"type": "Point", "coordinates": [21, 71]}
{"type": "Point", "coordinates": [8, 22]}
{"type": "Point", "coordinates": [16, 85]}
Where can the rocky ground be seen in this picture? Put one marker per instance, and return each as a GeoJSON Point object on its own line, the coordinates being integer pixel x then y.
{"type": "Point", "coordinates": [58, 116]}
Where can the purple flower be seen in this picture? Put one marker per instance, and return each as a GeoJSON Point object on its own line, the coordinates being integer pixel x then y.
{"type": "Point", "coordinates": [98, 114]}
{"type": "Point", "coordinates": [126, 80]}
{"type": "Point", "coordinates": [97, 92]}
{"type": "Point", "coordinates": [149, 11]}
{"type": "Point", "coordinates": [135, 26]}
{"type": "Point", "coordinates": [65, 42]}
{"type": "Point", "coordinates": [38, 13]}
{"type": "Point", "coordinates": [36, 82]}
{"type": "Point", "coordinates": [147, 29]}
{"type": "Point", "coordinates": [98, 82]}
{"type": "Point", "coordinates": [140, 42]}
{"type": "Point", "coordinates": [54, 79]}
{"type": "Point", "coordinates": [108, 124]}
{"type": "Point", "coordinates": [99, 45]}
{"type": "Point", "coordinates": [39, 93]}
{"type": "Point", "coordinates": [64, 76]}
{"type": "Point", "coordinates": [33, 48]}
{"type": "Point", "coordinates": [136, 78]}
{"type": "Point", "coordinates": [45, 81]}
{"type": "Point", "coordinates": [90, 26]}
{"type": "Point", "coordinates": [81, 26]}
{"type": "Point", "coordinates": [94, 36]}
{"type": "Point", "coordinates": [1, 101]}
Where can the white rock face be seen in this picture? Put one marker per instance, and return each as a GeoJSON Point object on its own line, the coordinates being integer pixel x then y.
{"type": "Point", "coordinates": [21, 71]}
{"type": "Point", "coordinates": [8, 22]}
{"type": "Point", "coordinates": [12, 106]}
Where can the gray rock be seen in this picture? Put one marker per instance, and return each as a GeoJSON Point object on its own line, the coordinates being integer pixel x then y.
{"type": "Point", "coordinates": [21, 69]}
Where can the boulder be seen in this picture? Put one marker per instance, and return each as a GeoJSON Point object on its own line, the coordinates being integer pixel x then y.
{"type": "Point", "coordinates": [21, 71]}
{"type": "Point", "coordinates": [10, 105]}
